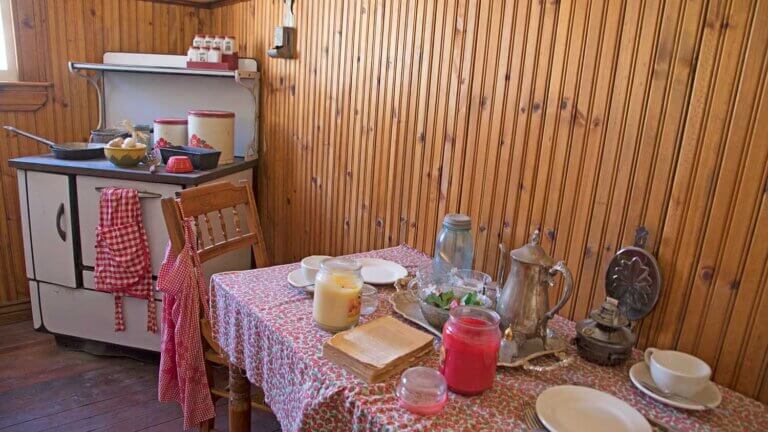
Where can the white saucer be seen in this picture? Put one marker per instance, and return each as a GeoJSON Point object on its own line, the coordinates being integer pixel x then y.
{"type": "Point", "coordinates": [569, 408]}
{"type": "Point", "coordinates": [709, 395]}
{"type": "Point", "coordinates": [297, 280]}
{"type": "Point", "coordinates": [381, 272]}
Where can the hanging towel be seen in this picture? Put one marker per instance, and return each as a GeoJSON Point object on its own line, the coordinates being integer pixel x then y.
{"type": "Point", "coordinates": [123, 264]}
{"type": "Point", "coordinates": [182, 365]}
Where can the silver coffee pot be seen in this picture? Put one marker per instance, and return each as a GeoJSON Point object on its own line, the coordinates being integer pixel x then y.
{"type": "Point", "coordinates": [523, 304]}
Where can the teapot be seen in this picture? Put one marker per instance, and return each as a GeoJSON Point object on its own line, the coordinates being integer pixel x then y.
{"type": "Point", "coordinates": [523, 304]}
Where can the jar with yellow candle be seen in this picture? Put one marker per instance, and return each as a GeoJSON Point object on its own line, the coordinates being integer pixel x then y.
{"type": "Point", "coordinates": [337, 294]}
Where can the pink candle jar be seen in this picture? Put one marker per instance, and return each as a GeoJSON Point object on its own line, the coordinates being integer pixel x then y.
{"type": "Point", "coordinates": [471, 340]}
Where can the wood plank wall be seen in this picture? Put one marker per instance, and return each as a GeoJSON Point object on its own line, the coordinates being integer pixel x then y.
{"type": "Point", "coordinates": [588, 118]}
{"type": "Point", "coordinates": [48, 34]}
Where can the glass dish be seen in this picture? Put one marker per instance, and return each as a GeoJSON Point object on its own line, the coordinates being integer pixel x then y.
{"type": "Point", "coordinates": [369, 300]}
{"type": "Point", "coordinates": [422, 390]}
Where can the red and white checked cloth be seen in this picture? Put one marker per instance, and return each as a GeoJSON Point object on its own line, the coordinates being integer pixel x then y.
{"type": "Point", "coordinates": [182, 365]}
{"type": "Point", "coordinates": [123, 265]}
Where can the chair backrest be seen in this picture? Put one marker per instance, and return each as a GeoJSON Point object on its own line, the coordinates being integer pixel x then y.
{"type": "Point", "coordinates": [204, 203]}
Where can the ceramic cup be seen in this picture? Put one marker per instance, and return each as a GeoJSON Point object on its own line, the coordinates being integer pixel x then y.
{"type": "Point", "coordinates": [311, 265]}
{"type": "Point", "coordinates": [677, 372]}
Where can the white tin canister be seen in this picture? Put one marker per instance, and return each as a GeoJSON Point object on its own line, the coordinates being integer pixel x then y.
{"type": "Point", "coordinates": [168, 132]}
{"type": "Point", "coordinates": [213, 130]}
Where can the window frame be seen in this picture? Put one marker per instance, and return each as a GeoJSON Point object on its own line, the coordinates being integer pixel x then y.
{"type": "Point", "coordinates": [12, 73]}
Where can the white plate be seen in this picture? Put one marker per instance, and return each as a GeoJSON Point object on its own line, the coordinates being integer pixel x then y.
{"type": "Point", "coordinates": [709, 395]}
{"type": "Point", "coordinates": [574, 408]}
{"type": "Point", "coordinates": [381, 272]}
{"type": "Point", "coordinates": [297, 280]}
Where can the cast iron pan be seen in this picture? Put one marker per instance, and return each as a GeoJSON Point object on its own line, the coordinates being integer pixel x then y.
{"type": "Point", "coordinates": [70, 151]}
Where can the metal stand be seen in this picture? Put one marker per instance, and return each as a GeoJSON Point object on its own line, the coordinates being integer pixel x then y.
{"type": "Point", "coordinates": [97, 81]}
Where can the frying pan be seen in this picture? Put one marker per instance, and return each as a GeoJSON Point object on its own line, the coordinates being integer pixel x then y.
{"type": "Point", "coordinates": [70, 151]}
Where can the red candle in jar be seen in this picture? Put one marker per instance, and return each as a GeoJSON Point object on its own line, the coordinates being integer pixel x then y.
{"type": "Point", "coordinates": [471, 340]}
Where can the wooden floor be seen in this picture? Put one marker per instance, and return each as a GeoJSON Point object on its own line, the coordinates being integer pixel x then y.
{"type": "Point", "coordinates": [46, 387]}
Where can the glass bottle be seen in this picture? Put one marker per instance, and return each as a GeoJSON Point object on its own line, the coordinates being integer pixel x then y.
{"type": "Point", "coordinates": [470, 351]}
{"type": "Point", "coordinates": [336, 305]}
{"type": "Point", "coordinates": [454, 247]}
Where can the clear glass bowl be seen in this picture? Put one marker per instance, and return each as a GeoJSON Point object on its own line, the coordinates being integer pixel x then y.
{"type": "Point", "coordinates": [422, 390]}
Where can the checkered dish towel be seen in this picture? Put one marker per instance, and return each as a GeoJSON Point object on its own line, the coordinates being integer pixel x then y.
{"type": "Point", "coordinates": [123, 265]}
{"type": "Point", "coordinates": [182, 365]}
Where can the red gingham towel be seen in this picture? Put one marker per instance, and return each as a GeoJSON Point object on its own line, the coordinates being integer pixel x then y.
{"type": "Point", "coordinates": [182, 366]}
{"type": "Point", "coordinates": [123, 265]}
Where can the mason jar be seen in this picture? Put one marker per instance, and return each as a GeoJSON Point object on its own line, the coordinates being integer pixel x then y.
{"type": "Point", "coordinates": [454, 247]}
{"type": "Point", "coordinates": [336, 305]}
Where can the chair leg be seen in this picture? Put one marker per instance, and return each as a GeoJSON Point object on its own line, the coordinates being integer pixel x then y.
{"type": "Point", "coordinates": [239, 400]}
{"type": "Point", "coordinates": [207, 426]}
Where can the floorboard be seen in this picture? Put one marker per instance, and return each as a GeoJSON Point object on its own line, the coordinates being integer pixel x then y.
{"type": "Point", "coordinates": [44, 387]}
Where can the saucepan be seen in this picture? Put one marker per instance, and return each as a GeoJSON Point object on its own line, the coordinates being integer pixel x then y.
{"type": "Point", "coordinates": [70, 150]}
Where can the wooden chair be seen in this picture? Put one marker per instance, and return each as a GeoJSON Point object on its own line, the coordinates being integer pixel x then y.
{"type": "Point", "coordinates": [204, 203]}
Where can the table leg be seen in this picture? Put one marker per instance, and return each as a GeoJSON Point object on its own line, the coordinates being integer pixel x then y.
{"type": "Point", "coordinates": [239, 400]}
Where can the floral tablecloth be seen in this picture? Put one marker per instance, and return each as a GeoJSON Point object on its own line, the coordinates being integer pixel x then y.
{"type": "Point", "coordinates": [266, 327]}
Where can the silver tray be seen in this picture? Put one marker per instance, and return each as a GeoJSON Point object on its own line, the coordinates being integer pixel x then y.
{"type": "Point", "coordinates": [406, 304]}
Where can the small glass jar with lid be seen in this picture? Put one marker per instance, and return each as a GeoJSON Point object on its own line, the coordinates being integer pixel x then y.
{"type": "Point", "coordinates": [198, 41]}
{"type": "Point", "coordinates": [454, 247]}
{"type": "Point", "coordinates": [214, 55]}
{"type": "Point", "coordinates": [336, 305]}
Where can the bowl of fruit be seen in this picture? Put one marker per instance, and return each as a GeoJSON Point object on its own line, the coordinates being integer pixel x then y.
{"type": "Point", "coordinates": [125, 153]}
{"type": "Point", "coordinates": [436, 301]}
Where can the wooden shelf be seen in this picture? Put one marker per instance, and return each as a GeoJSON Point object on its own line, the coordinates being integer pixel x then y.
{"type": "Point", "coordinates": [23, 96]}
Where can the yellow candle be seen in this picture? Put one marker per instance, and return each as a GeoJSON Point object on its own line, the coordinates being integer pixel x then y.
{"type": "Point", "coordinates": [337, 300]}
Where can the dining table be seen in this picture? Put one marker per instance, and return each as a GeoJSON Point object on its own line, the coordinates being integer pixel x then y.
{"type": "Point", "coordinates": [265, 328]}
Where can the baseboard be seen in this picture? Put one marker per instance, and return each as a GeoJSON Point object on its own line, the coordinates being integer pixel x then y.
{"type": "Point", "coordinates": [15, 312]}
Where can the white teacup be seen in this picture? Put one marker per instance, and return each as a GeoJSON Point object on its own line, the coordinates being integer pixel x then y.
{"type": "Point", "coordinates": [311, 265]}
{"type": "Point", "coordinates": [677, 372]}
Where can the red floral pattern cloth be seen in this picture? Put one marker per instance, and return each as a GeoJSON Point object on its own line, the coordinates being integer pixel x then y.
{"type": "Point", "coordinates": [182, 365]}
{"type": "Point", "coordinates": [123, 265]}
{"type": "Point", "coordinates": [266, 327]}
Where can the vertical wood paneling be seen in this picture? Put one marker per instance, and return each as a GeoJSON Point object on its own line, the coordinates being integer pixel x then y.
{"type": "Point", "coordinates": [49, 33]}
{"type": "Point", "coordinates": [587, 118]}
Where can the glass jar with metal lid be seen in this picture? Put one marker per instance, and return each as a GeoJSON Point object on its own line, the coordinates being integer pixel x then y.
{"type": "Point", "coordinates": [454, 247]}
{"type": "Point", "coordinates": [336, 305]}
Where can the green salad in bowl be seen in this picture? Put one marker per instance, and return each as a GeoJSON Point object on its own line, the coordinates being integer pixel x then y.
{"type": "Point", "coordinates": [436, 303]}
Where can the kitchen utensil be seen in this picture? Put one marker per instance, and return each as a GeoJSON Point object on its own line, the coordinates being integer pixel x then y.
{"type": "Point", "coordinates": [427, 284]}
{"type": "Point", "coordinates": [107, 135]}
{"type": "Point", "coordinates": [532, 420]}
{"type": "Point", "coordinates": [126, 157]}
{"type": "Point", "coordinates": [677, 372]}
{"type": "Point", "coordinates": [708, 397]}
{"type": "Point", "coordinates": [202, 158]}
{"type": "Point", "coordinates": [570, 408]}
{"type": "Point", "coordinates": [311, 265]}
{"type": "Point", "coordinates": [523, 303]}
{"type": "Point", "coordinates": [178, 165]}
{"type": "Point", "coordinates": [381, 272]}
{"type": "Point", "coordinates": [422, 390]}
{"type": "Point", "coordinates": [604, 337]}
{"type": "Point", "coordinates": [69, 150]}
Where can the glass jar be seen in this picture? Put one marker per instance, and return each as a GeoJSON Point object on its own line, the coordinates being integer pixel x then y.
{"type": "Point", "coordinates": [202, 54]}
{"type": "Point", "coordinates": [471, 340]}
{"type": "Point", "coordinates": [192, 53]}
{"type": "Point", "coordinates": [208, 41]}
{"type": "Point", "coordinates": [336, 305]}
{"type": "Point", "coordinates": [230, 45]}
{"type": "Point", "coordinates": [218, 41]}
{"type": "Point", "coordinates": [214, 55]}
{"type": "Point", "coordinates": [454, 247]}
